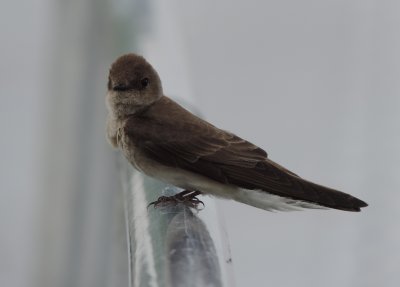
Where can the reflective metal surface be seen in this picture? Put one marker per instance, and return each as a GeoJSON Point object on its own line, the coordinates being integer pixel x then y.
{"type": "Point", "coordinates": [171, 245]}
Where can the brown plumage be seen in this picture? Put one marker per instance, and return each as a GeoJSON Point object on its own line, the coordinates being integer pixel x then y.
{"type": "Point", "coordinates": [181, 140]}
{"type": "Point", "coordinates": [164, 140]}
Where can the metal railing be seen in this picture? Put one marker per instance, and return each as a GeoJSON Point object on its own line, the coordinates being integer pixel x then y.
{"type": "Point", "coordinates": [172, 245]}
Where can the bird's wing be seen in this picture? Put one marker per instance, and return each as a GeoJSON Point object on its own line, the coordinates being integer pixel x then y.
{"type": "Point", "coordinates": [199, 147]}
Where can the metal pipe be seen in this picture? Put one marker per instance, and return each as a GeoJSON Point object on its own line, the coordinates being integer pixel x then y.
{"type": "Point", "coordinates": [171, 245]}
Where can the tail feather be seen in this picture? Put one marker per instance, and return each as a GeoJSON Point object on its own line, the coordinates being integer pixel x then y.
{"type": "Point", "coordinates": [272, 202]}
{"type": "Point", "coordinates": [329, 197]}
{"type": "Point", "coordinates": [304, 190]}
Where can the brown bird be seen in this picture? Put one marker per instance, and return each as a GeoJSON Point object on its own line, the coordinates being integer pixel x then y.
{"type": "Point", "coordinates": [165, 141]}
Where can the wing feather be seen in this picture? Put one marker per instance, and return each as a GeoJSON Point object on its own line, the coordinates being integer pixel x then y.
{"type": "Point", "coordinates": [199, 147]}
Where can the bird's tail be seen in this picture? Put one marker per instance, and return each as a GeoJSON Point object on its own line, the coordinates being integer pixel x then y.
{"type": "Point", "coordinates": [303, 190]}
{"type": "Point", "coordinates": [322, 198]}
{"type": "Point", "coordinates": [331, 198]}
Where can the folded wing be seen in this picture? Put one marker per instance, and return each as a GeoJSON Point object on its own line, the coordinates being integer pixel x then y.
{"type": "Point", "coordinates": [199, 147]}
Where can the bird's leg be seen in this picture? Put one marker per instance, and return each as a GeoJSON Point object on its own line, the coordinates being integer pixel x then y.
{"type": "Point", "coordinates": [185, 197]}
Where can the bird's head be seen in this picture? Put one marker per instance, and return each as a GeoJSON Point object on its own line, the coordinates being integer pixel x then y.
{"type": "Point", "coordinates": [133, 85]}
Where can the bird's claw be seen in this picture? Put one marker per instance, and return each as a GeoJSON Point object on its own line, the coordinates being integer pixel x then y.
{"type": "Point", "coordinates": [184, 197]}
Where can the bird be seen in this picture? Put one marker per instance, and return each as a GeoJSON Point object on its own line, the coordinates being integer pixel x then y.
{"type": "Point", "coordinates": [163, 140]}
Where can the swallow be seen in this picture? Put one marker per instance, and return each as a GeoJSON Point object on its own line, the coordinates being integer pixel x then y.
{"type": "Point", "coordinates": [165, 141]}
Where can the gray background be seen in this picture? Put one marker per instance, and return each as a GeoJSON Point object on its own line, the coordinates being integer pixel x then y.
{"type": "Point", "coordinates": [315, 83]}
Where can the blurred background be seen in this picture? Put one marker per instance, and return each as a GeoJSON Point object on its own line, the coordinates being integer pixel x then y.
{"type": "Point", "coordinates": [315, 83]}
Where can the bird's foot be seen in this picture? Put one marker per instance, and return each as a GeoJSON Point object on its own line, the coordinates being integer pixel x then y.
{"type": "Point", "coordinates": [187, 197]}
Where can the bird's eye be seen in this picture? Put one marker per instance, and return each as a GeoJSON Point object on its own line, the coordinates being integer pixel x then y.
{"type": "Point", "coordinates": [144, 82]}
